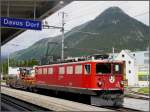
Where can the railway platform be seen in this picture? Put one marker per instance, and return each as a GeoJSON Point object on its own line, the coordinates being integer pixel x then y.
{"type": "Point", "coordinates": [50, 103]}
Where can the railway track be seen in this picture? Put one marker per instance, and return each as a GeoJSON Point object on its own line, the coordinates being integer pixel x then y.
{"type": "Point", "coordinates": [122, 109]}
{"type": "Point", "coordinates": [130, 94]}
{"type": "Point", "coordinates": [136, 95]}
{"type": "Point", "coordinates": [130, 90]}
{"type": "Point", "coordinates": [12, 104]}
{"type": "Point", "coordinates": [51, 103]}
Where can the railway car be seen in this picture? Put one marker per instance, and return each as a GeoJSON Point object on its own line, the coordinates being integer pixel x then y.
{"type": "Point", "coordinates": [102, 79]}
{"type": "Point", "coordinates": [24, 79]}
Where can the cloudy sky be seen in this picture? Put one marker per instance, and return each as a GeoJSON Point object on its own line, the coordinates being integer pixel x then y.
{"type": "Point", "coordinates": [77, 13]}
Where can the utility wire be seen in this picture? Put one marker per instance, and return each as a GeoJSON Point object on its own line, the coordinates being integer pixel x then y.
{"type": "Point", "coordinates": [91, 12]}
{"type": "Point", "coordinates": [91, 33]}
{"type": "Point", "coordinates": [141, 14]}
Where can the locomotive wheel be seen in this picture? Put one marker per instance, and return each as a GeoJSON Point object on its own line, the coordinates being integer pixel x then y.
{"type": "Point", "coordinates": [107, 100]}
{"type": "Point", "coordinates": [35, 90]}
{"type": "Point", "coordinates": [118, 102]}
{"type": "Point", "coordinates": [30, 89]}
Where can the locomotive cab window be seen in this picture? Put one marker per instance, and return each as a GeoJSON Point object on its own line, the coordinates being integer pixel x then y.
{"type": "Point", "coordinates": [117, 69]}
{"type": "Point", "coordinates": [87, 69]}
{"type": "Point", "coordinates": [103, 68]}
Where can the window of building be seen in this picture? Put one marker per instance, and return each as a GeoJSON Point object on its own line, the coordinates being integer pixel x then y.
{"type": "Point", "coordinates": [146, 54]}
{"type": "Point", "coordinates": [123, 55]}
{"type": "Point", "coordinates": [129, 62]}
{"type": "Point", "coordinates": [87, 69]}
{"type": "Point", "coordinates": [143, 68]}
{"type": "Point", "coordinates": [78, 69]}
{"type": "Point", "coordinates": [50, 70]}
{"type": "Point", "coordinates": [69, 70]}
{"type": "Point", "coordinates": [103, 68]}
{"type": "Point", "coordinates": [44, 70]}
{"type": "Point", "coordinates": [143, 77]}
{"type": "Point", "coordinates": [61, 70]}
{"type": "Point", "coordinates": [40, 71]}
{"type": "Point", "coordinates": [129, 71]}
{"type": "Point", "coordinates": [146, 61]}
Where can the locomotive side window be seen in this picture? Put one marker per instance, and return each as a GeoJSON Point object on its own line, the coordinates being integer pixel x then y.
{"type": "Point", "coordinates": [78, 69]}
{"type": "Point", "coordinates": [87, 69]}
{"type": "Point", "coordinates": [69, 70]}
{"type": "Point", "coordinates": [40, 71]}
{"type": "Point", "coordinates": [61, 70]}
{"type": "Point", "coordinates": [50, 70]}
{"type": "Point", "coordinates": [117, 69]}
{"type": "Point", "coordinates": [44, 70]}
{"type": "Point", "coordinates": [102, 68]}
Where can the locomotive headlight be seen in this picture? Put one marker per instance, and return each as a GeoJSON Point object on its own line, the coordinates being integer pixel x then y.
{"type": "Point", "coordinates": [99, 83]}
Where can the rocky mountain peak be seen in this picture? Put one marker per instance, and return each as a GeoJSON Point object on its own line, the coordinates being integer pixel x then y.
{"type": "Point", "coordinates": [112, 15]}
{"type": "Point", "coordinates": [113, 10]}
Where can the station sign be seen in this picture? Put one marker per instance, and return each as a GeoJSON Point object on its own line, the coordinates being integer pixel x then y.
{"type": "Point", "coordinates": [21, 23]}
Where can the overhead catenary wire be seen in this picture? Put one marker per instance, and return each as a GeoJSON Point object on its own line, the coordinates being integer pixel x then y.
{"type": "Point", "coordinates": [141, 14]}
{"type": "Point", "coordinates": [91, 12]}
{"type": "Point", "coordinates": [86, 32]}
{"type": "Point", "coordinates": [91, 33]}
{"type": "Point", "coordinates": [95, 32]}
{"type": "Point", "coordinates": [144, 13]}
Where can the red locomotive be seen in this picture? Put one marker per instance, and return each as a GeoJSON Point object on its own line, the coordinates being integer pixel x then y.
{"type": "Point", "coordinates": [102, 79]}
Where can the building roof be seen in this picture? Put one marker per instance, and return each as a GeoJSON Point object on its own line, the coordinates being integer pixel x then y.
{"type": "Point", "coordinates": [25, 9]}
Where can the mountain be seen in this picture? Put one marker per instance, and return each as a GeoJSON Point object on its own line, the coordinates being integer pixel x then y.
{"type": "Point", "coordinates": [112, 28]}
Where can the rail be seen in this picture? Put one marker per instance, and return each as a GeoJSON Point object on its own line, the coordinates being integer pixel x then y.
{"type": "Point", "coordinates": [129, 105]}
{"type": "Point", "coordinates": [12, 104]}
{"type": "Point", "coordinates": [136, 95]}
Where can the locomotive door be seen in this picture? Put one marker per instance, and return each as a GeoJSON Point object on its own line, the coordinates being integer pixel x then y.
{"type": "Point", "coordinates": [77, 76]}
{"type": "Point", "coordinates": [86, 75]}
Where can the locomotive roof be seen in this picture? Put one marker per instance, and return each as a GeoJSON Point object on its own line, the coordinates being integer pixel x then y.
{"type": "Point", "coordinates": [80, 62]}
